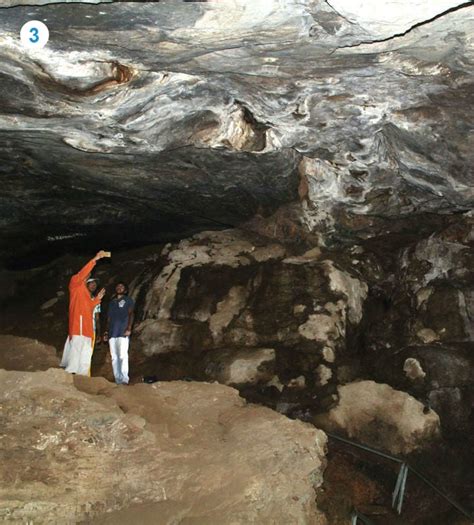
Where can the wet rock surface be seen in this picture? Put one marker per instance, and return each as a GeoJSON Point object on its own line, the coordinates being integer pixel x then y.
{"type": "Point", "coordinates": [84, 450]}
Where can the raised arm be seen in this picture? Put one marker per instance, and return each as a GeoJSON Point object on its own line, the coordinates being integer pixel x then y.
{"type": "Point", "coordinates": [83, 273]}
{"type": "Point", "coordinates": [98, 298]}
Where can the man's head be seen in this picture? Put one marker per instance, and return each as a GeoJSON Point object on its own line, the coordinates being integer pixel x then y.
{"type": "Point", "coordinates": [121, 288]}
{"type": "Point", "coordinates": [91, 285]}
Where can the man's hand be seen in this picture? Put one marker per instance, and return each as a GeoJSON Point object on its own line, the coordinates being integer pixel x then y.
{"type": "Point", "coordinates": [105, 337]}
{"type": "Point", "coordinates": [101, 294]}
{"type": "Point", "coordinates": [127, 333]}
{"type": "Point", "coordinates": [101, 255]}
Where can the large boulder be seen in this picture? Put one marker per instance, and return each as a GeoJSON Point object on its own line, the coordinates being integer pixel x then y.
{"type": "Point", "coordinates": [161, 453]}
{"type": "Point", "coordinates": [235, 292]}
{"type": "Point", "coordinates": [378, 415]}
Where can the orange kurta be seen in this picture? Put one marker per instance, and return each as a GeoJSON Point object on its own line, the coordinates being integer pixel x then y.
{"type": "Point", "coordinates": [81, 306]}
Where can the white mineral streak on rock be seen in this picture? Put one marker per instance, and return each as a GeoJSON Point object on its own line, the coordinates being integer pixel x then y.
{"type": "Point", "coordinates": [413, 369]}
{"type": "Point", "coordinates": [75, 69]}
{"type": "Point", "coordinates": [380, 416]}
{"type": "Point", "coordinates": [323, 375]}
{"type": "Point", "coordinates": [354, 290]}
{"type": "Point", "coordinates": [328, 354]}
{"type": "Point", "coordinates": [246, 367]}
{"type": "Point", "coordinates": [427, 335]}
{"type": "Point", "coordinates": [286, 19]}
{"type": "Point", "coordinates": [324, 188]}
{"type": "Point", "coordinates": [227, 309]}
{"type": "Point", "coordinates": [194, 449]}
{"type": "Point", "coordinates": [440, 254]}
{"type": "Point", "coordinates": [234, 131]}
{"type": "Point", "coordinates": [386, 18]}
{"type": "Point", "coordinates": [320, 327]}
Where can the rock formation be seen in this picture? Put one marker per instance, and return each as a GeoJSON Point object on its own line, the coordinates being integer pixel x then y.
{"type": "Point", "coordinates": [167, 117]}
{"type": "Point", "coordinates": [233, 292]}
{"type": "Point", "coordinates": [382, 417]}
{"type": "Point", "coordinates": [84, 450]}
{"type": "Point", "coordinates": [288, 189]}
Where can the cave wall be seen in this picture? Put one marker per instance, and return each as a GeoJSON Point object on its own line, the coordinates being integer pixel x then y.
{"type": "Point", "coordinates": [227, 296]}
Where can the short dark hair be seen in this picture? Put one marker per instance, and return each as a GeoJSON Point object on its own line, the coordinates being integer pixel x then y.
{"type": "Point", "coordinates": [123, 283]}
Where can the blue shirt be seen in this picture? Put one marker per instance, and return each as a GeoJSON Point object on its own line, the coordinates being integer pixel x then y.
{"type": "Point", "coordinates": [118, 315]}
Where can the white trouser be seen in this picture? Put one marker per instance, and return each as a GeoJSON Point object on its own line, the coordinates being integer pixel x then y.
{"type": "Point", "coordinates": [77, 355]}
{"type": "Point", "coordinates": [119, 353]}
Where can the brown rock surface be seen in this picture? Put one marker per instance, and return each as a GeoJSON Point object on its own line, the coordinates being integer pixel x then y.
{"type": "Point", "coordinates": [83, 449]}
{"type": "Point", "coordinates": [382, 417]}
{"type": "Point", "coordinates": [21, 353]}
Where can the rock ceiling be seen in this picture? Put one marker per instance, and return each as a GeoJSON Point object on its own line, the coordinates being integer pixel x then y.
{"type": "Point", "coordinates": [146, 121]}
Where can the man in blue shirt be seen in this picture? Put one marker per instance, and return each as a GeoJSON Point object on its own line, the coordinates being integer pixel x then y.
{"type": "Point", "coordinates": [119, 327]}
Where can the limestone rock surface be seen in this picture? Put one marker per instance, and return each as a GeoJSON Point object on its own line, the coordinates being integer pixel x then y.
{"type": "Point", "coordinates": [378, 415]}
{"type": "Point", "coordinates": [225, 296]}
{"type": "Point", "coordinates": [241, 367]}
{"type": "Point", "coordinates": [86, 450]}
{"type": "Point", "coordinates": [426, 318]}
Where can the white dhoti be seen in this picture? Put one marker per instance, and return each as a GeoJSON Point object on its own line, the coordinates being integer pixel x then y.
{"type": "Point", "coordinates": [77, 355]}
{"type": "Point", "coordinates": [119, 354]}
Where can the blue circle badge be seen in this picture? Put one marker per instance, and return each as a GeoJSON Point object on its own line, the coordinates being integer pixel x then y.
{"type": "Point", "coordinates": [34, 34]}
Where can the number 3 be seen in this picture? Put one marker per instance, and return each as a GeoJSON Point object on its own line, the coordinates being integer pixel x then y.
{"type": "Point", "coordinates": [35, 37]}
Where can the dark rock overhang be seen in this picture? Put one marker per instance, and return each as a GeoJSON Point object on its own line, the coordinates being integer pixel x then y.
{"type": "Point", "coordinates": [148, 121]}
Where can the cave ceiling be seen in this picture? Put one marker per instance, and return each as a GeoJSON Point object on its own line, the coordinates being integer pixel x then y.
{"type": "Point", "coordinates": [149, 121]}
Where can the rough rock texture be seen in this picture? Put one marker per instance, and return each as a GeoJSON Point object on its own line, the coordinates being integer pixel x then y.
{"type": "Point", "coordinates": [337, 135]}
{"type": "Point", "coordinates": [241, 367]}
{"type": "Point", "coordinates": [423, 320]}
{"type": "Point", "coordinates": [380, 416]}
{"type": "Point", "coordinates": [239, 298]}
{"type": "Point", "coordinates": [21, 353]}
{"type": "Point", "coordinates": [160, 453]}
{"type": "Point", "coordinates": [165, 118]}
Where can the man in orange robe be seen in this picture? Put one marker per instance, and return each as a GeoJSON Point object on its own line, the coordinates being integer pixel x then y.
{"type": "Point", "coordinates": [79, 345]}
